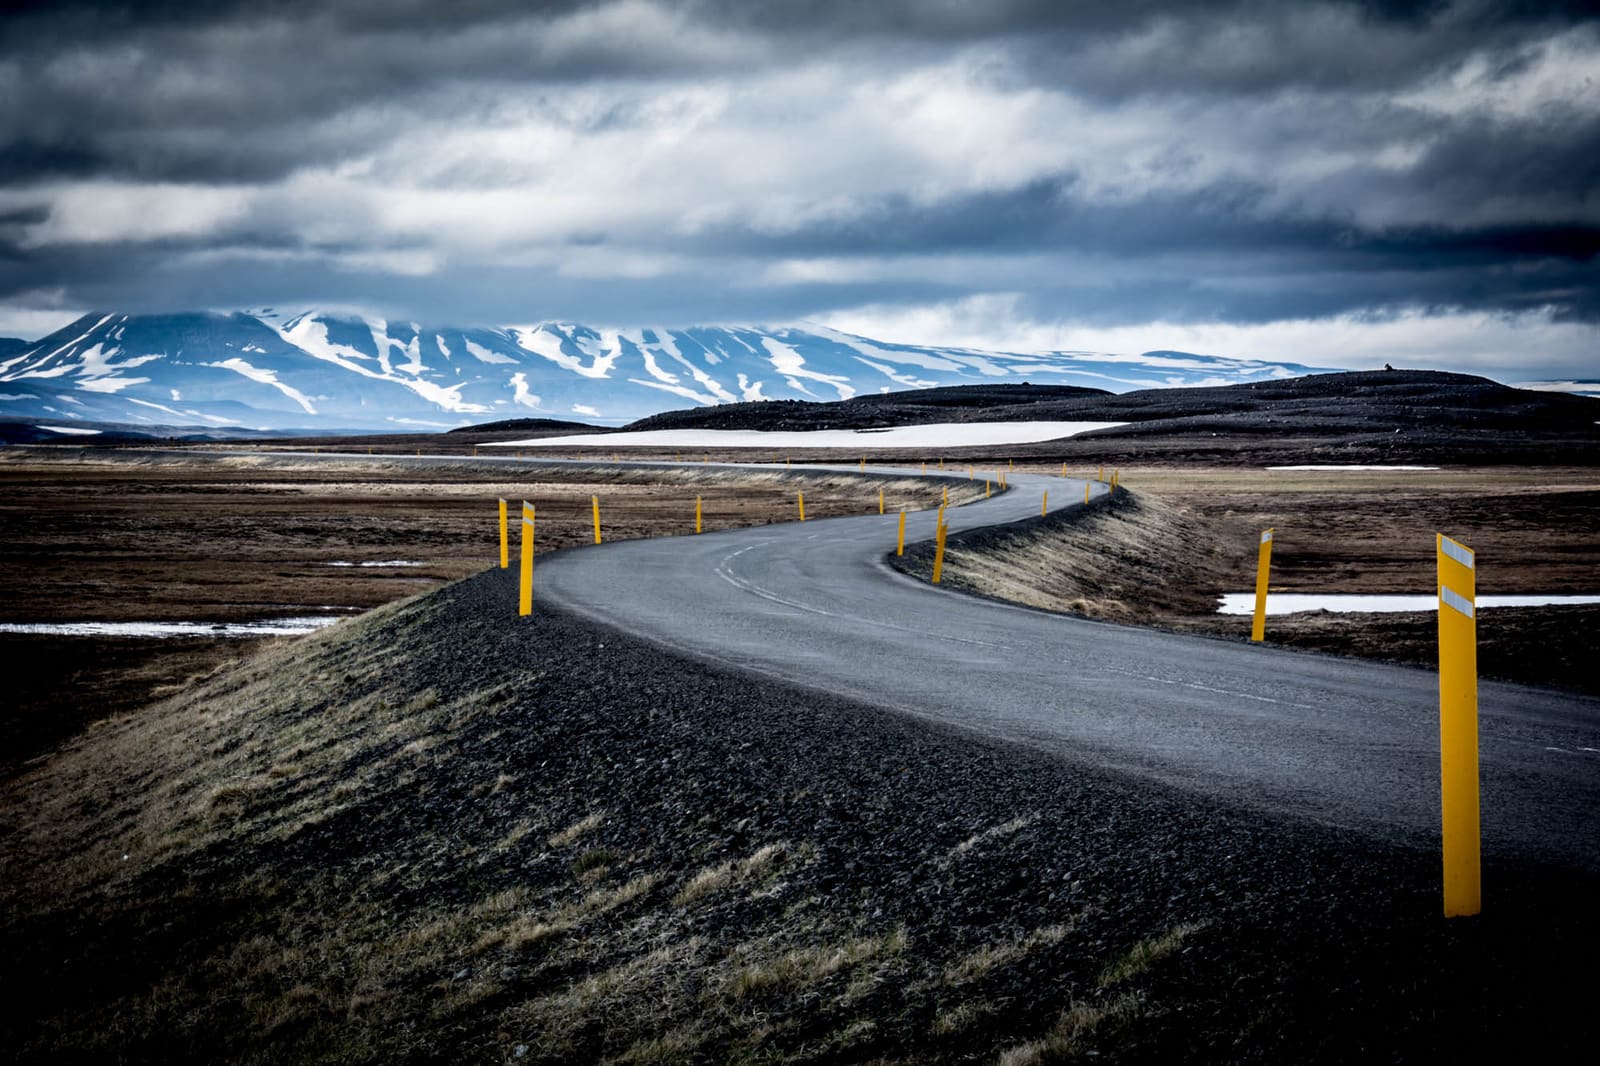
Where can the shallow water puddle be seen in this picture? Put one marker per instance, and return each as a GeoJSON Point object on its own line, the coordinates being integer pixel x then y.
{"type": "Point", "coordinates": [1290, 602]}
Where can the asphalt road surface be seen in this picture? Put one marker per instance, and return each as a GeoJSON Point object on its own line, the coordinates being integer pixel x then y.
{"type": "Point", "coordinates": [1345, 742]}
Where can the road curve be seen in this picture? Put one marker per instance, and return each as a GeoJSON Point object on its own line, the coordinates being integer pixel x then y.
{"type": "Point", "coordinates": [1345, 742]}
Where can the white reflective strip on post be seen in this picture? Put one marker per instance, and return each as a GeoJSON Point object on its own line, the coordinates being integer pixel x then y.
{"type": "Point", "coordinates": [527, 522]}
{"type": "Point", "coordinates": [1452, 598]}
{"type": "Point", "coordinates": [1458, 552]}
{"type": "Point", "coordinates": [1266, 538]}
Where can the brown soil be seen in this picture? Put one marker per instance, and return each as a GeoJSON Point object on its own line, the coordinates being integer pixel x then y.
{"type": "Point", "coordinates": [124, 535]}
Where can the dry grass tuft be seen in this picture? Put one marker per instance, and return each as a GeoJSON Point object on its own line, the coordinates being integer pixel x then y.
{"type": "Point", "coordinates": [750, 868]}
{"type": "Point", "coordinates": [998, 832]}
{"type": "Point", "coordinates": [810, 964]}
{"type": "Point", "coordinates": [587, 824]}
{"type": "Point", "coordinates": [1068, 1038]}
{"type": "Point", "coordinates": [1146, 953]}
{"type": "Point", "coordinates": [990, 957]}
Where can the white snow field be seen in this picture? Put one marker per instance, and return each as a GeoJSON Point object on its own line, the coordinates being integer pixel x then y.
{"type": "Point", "coordinates": [1292, 602]}
{"type": "Point", "coordinates": [937, 435]}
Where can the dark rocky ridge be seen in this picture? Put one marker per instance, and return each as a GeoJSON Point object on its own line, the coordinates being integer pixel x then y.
{"type": "Point", "coordinates": [1363, 416]}
{"type": "Point", "coordinates": [1316, 402]}
{"type": "Point", "coordinates": [530, 425]}
{"type": "Point", "coordinates": [956, 403]}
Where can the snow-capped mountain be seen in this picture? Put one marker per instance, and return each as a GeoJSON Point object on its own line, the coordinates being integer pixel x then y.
{"type": "Point", "coordinates": [321, 371]}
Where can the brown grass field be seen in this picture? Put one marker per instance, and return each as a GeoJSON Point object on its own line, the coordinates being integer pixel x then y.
{"type": "Point", "coordinates": [91, 535]}
{"type": "Point", "coordinates": [398, 841]}
{"type": "Point", "coordinates": [134, 536]}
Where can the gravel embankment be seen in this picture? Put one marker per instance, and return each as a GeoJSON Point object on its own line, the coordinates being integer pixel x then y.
{"type": "Point", "coordinates": [633, 855]}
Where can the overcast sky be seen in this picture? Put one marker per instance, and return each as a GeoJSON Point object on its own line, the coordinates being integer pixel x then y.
{"type": "Point", "coordinates": [1335, 183]}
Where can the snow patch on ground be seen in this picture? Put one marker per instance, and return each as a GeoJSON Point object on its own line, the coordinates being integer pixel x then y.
{"type": "Point", "coordinates": [276, 627]}
{"type": "Point", "coordinates": [376, 562]}
{"type": "Point", "coordinates": [791, 364]}
{"type": "Point", "coordinates": [677, 390]}
{"type": "Point", "coordinates": [524, 396]}
{"type": "Point", "coordinates": [1292, 602]}
{"type": "Point", "coordinates": [548, 345]}
{"type": "Point", "coordinates": [109, 385]}
{"type": "Point", "coordinates": [951, 435]}
{"type": "Point", "coordinates": [73, 430]}
{"type": "Point", "coordinates": [264, 377]}
{"type": "Point", "coordinates": [751, 391]}
{"type": "Point", "coordinates": [484, 355]}
{"type": "Point", "coordinates": [1353, 466]}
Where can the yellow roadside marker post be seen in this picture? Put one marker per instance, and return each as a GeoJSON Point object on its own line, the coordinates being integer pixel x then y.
{"type": "Point", "coordinates": [697, 514]}
{"type": "Point", "coordinates": [1101, 476]}
{"type": "Point", "coordinates": [969, 471]}
{"type": "Point", "coordinates": [986, 488]}
{"type": "Point", "coordinates": [505, 547]}
{"type": "Point", "coordinates": [369, 450]}
{"type": "Point", "coordinates": [1458, 727]}
{"type": "Point", "coordinates": [800, 497]}
{"type": "Point", "coordinates": [863, 462]}
{"type": "Point", "coordinates": [880, 501]}
{"type": "Point", "coordinates": [900, 545]}
{"type": "Point", "coordinates": [1044, 505]}
{"type": "Point", "coordinates": [1258, 628]}
{"type": "Point", "coordinates": [1085, 492]}
{"type": "Point", "coordinates": [596, 501]}
{"type": "Point", "coordinates": [941, 462]}
{"type": "Point", "coordinates": [525, 580]}
{"type": "Point", "coordinates": [924, 466]}
{"type": "Point", "coordinates": [938, 553]}
{"type": "Point", "coordinates": [1011, 464]}
{"type": "Point", "coordinates": [944, 501]}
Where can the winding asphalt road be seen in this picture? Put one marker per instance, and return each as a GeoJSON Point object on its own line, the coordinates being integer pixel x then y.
{"type": "Point", "coordinates": [1345, 742]}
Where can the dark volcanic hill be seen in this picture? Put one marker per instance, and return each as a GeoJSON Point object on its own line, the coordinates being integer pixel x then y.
{"type": "Point", "coordinates": [955, 403]}
{"type": "Point", "coordinates": [1364, 416]}
{"type": "Point", "coordinates": [530, 425]}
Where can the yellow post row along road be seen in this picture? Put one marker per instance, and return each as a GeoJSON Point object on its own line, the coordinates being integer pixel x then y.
{"type": "Point", "coordinates": [1343, 741]}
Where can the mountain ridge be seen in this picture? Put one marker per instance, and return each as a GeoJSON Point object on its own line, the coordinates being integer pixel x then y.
{"type": "Point", "coordinates": [313, 370]}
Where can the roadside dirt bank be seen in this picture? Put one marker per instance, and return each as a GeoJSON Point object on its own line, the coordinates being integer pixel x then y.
{"type": "Point", "coordinates": [1162, 551]}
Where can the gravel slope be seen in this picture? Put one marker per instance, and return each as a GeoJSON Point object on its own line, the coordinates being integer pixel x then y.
{"type": "Point", "coordinates": [782, 876]}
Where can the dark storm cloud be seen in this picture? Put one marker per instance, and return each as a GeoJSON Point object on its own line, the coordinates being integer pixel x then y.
{"type": "Point", "coordinates": [1284, 160]}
